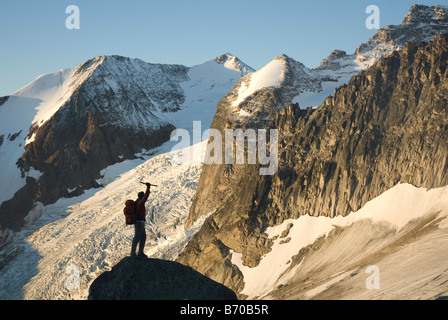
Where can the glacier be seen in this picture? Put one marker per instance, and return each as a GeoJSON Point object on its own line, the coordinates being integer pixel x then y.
{"type": "Point", "coordinates": [88, 232]}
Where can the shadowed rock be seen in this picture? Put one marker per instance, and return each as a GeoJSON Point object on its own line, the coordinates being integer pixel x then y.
{"type": "Point", "coordinates": [154, 279]}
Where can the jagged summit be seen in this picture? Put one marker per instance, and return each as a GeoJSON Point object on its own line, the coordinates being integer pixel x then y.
{"type": "Point", "coordinates": [425, 14]}
{"type": "Point", "coordinates": [420, 24]}
{"type": "Point", "coordinates": [295, 83]}
{"type": "Point", "coordinates": [283, 57]}
{"type": "Point", "coordinates": [234, 63]}
{"type": "Point", "coordinates": [292, 65]}
{"type": "Point", "coordinates": [331, 62]}
{"type": "Point", "coordinates": [336, 54]}
{"type": "Point", "coordinates": [287, 60]}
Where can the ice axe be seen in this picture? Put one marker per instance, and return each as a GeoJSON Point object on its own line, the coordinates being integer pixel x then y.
{"type": "Point", "coordinates": [150, 184]}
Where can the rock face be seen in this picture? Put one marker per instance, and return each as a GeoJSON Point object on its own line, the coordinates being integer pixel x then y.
{"type": "Point", "coordinates": [105, 120]}
{"type": "Point", "coordinates": [257, 97]}
{"type": "Point", "coordinates": [154, 279]}
{"type": "Point", "coordinates": [318, 179]}
{"type": "Point", "coordinates": [388, 124]}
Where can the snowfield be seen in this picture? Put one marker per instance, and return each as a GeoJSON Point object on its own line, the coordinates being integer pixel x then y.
{"type": "Point", "coordinates": [404, 232]}
{"type": "Point", "coordinates": [80, 238]}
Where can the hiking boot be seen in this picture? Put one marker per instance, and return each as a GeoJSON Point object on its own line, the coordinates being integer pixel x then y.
{"type": "Point", "coordinates": [142, 255]}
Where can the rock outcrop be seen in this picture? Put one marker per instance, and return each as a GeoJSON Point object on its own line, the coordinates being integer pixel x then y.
{"type": "Point", "coordinates": [154, 279]}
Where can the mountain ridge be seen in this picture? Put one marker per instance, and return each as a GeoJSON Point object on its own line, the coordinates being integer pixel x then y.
{"type": "Point", "coordinates": [88, 232]}
{"type": "Point", "coordinates": [381, 119]}
{"type": "Point", "coordinates": [312, 85]}
{"type": "Point", "coordinates": [260, 108]}
{"type": "Point", "coordinates": [76, 122]}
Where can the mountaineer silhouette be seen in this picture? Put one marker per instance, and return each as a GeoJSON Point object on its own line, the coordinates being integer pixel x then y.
{"type": "Point", "coordinates": [135, 213]}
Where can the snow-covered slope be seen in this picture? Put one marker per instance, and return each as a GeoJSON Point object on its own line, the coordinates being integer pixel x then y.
{"type": "Point", "coordinates": [101, 101]}
{"type": "Point", "coordinates": [208, 83]}
{"type": "Point", "coordinates": [34, 103]}
{"type": "Point", "coordinates": [322, 257]}
{"type": "Point", "coordinates": [88, 232]}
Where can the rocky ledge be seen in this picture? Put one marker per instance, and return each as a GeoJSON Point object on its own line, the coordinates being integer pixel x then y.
{"type": "Point", "coordinates": [154, 279]}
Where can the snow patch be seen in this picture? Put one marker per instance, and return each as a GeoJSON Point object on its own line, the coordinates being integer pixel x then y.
{"type": "Point", "coordinates": [395, 207]}
{"type": "Point", "coordinates": [243, 113]}
{"type": "Point", "coordinates": [231, 64]}
{"type": "Point", "coordinates": [270, 75]}
{"type": "Point", "coordinates": [34, 213]}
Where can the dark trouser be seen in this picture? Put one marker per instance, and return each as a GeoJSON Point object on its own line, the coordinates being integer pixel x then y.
{"type": "Point", "coordinates": [139, 237]}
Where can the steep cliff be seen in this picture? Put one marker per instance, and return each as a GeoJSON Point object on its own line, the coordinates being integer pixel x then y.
{"type": "Point", "coordinates": [256, 98]}
{"type": "Point", "coordinates": [389, 124]}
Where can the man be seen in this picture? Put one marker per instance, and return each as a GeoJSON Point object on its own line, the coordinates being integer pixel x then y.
{"type": "Point", "coordinates": [140, 233]}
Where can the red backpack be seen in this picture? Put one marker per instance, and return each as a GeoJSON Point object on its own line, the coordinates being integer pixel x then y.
{"type": "Point", "coordinates": [130, 212]}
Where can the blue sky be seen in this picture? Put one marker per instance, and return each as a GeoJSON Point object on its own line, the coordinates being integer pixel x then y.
{"type": "Point", "coordinates": [34, 39]}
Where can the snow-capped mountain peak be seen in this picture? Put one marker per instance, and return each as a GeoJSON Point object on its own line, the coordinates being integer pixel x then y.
{"type": "Point", "coordinates": [104, 111]}
{"type": "Point", "coordinates": [271, 75]}
{"type": "Point", "coordinates": [309, 87]}
{"type": "Point", "coordinates": [424, 14]}
{"type": "Point", "coordinates": [421, 24]}
{"type": "Point", "coordinates": [92, 117]}
{"type": "Point", "coordinates": [233, 63]}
